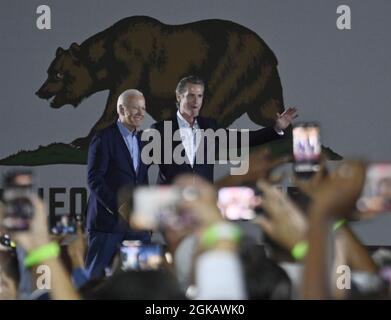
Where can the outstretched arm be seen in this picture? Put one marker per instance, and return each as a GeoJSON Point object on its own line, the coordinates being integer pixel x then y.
{"type": "Point", "coordinates": [265, 135]}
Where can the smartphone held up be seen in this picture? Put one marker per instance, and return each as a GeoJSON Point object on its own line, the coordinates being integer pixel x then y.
{"type": "Point", "coordinates": [376, 193]}
{"type": "Point", "coordinates": [141, 257]}
{"type": "Point", "coordinates": [307, 149]}
{"type": "Point", "coordinates": [62, 224]}
{"type": "Point", "coordinates": [157, 205]}
{"type": "Point", "coordinates": [239, 203]}
{"type": "Point", "coordinates": [17, 198]}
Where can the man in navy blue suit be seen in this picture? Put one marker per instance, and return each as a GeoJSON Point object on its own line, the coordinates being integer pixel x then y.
{"type": "Point", "coordinates": [114, 162]}
{"type": "Point", "coordinates": [190, 96]}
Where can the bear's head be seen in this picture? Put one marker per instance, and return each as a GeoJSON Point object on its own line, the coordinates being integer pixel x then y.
{"type": "Point", "coordinates": [69, 80]}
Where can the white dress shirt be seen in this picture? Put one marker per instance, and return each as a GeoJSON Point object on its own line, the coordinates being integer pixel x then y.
{"type": "Point", "coordinates": [190, 136]}
{"type": "Point", "coordinates": [131, 142]}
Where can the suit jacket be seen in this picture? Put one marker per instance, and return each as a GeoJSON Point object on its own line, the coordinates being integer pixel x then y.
{"type": "Point", "coordinates": [168, 172]}
{"type": "Point", "coordinates": [110, 168]}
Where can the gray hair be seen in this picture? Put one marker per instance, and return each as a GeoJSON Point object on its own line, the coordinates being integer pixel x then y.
{"type": "Point", "coordinates": [127, 94]}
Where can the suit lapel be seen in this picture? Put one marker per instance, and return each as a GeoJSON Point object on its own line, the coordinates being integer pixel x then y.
{"type": "Point", "coordinates": [175, 128]}
{"type": "Point", "coordinates": [140, 149]}
{"type": "Point", "coordinates": [203, 126]}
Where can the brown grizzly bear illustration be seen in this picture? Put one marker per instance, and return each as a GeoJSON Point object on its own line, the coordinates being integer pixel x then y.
{"type": "Point", "coordinates": [140, 52]}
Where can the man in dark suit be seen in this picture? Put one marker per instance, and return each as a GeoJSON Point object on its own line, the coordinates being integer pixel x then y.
{"type": "Point", "coordinates": [114, 162]}
{"type": "Point", "coordinates": [190, 95]}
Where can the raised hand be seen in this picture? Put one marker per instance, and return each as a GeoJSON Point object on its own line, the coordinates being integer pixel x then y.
{"type": "Point", "coordinates": [286, 224]}
{"type": "Point", "coordinates": [38, 234]}
{"type": "Point", "coordinates": [337, 194]}
{"type": "Point", "coordinates": [203, 207]}
{"type": "Point", "coordinates": [285, 119]}
{"type": "Point", "coordinates": [310, 186]}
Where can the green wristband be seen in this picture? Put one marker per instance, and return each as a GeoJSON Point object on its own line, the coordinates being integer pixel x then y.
{"type": "Point", "coordinates": [300, 250]}
{"type": "Point", "coordinates": [220, 231]}
{"type": "Point", "coordinates": [338, 224]}
{"type": "Point", "coordinates": [47, 251]}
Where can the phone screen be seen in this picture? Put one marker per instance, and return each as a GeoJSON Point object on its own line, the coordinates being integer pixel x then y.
{"type": "Point", "coordinates": [6, 242]}
{"type": "Point", "coordinates": [238, 203]}
{"type": "Point", "coordinates": [62, 224]}
{"type": "Point", "coordinates": [306, 147]}
{"type": "Point", "coordinates": [154, 204]}
{"type": "Point", "coordinates": [18, 207]}
{"type": "Point", "coordinates": [376, 194]}
{"type": "Point", "coordinates": [141, 257]}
